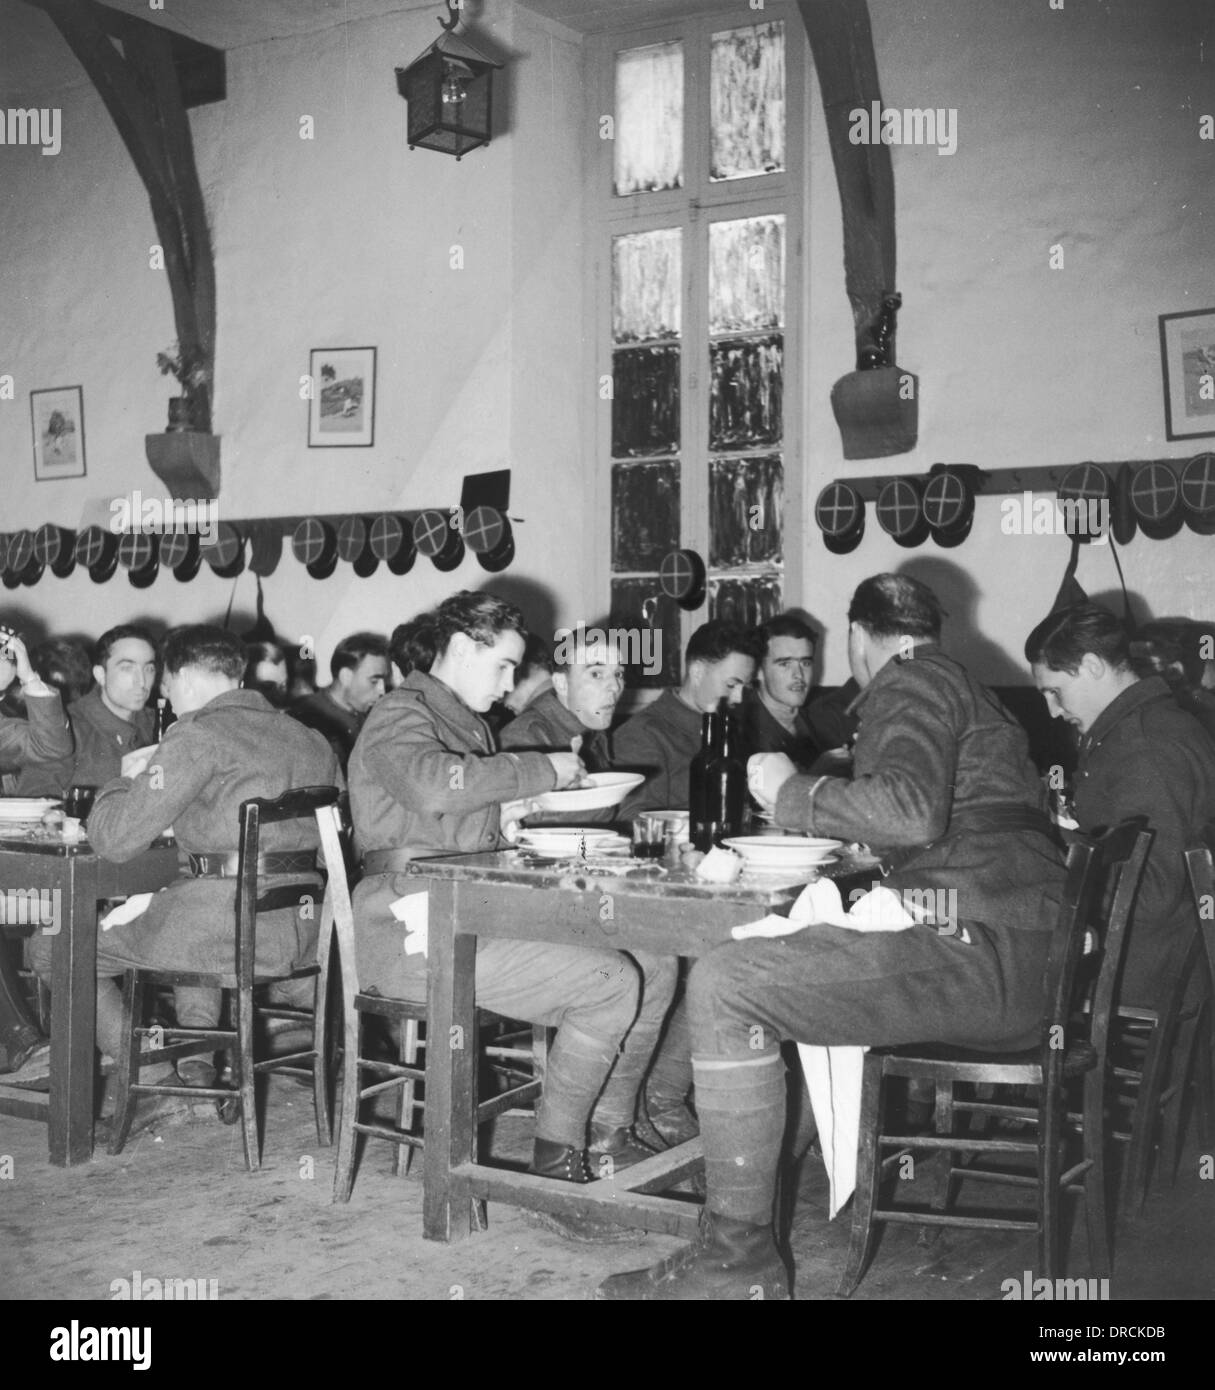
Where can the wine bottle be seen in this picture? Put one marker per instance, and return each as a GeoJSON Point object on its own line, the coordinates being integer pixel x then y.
{"type": "Point", "coordinates": [717, 784]}
{"type": "Point", "coordinates": [163, 718]}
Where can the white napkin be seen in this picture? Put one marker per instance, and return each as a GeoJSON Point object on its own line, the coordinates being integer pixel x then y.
{"type": "Point", "coordinates": [414, 911]}
{"type": "Point", "coordinates": [833, 1074]}
{"type": "Point", "coordinates": [135, 906]}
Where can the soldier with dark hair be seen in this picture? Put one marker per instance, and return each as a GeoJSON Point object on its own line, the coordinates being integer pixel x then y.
{"type": "Point", "coordinates": [772, 717]}
{"type": "Point", "coordinates": [359, 667]}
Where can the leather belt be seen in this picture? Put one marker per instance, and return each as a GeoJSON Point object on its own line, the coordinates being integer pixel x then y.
{"type": "Point", "coordinates": [296, 861]}
{"type": "Point", "coordinates": [387, 861]}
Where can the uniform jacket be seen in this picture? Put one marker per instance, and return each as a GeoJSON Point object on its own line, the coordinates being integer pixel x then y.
{"type": "Point", "coordinates": [41, 738]}
{"type": "Point", "coordinates": [547, 725]}
{"type": "Point", "coordinates": [661, 741]}
{"type": "Point", "coordinates": [424, 777]}
{"type": "Point", "coordinates": [101, 738]}
{"type": "Point", "coordinates": [236, 747]}
{"type": "Point", "coordinates": [320, 711]}
{"type": "Point", "coordinates": [1146, 756]}
{"type": "Point", "coordinates": [761, 732]}
{"type": "Point", "coordinates": [934, 751]}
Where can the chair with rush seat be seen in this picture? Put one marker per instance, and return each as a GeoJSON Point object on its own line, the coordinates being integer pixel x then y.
{"type": "Point", "coordinates": [302, 804]}
{"type": "Point", "coordinates": [1160, 1051]}
{"type": "Point", "coordinates": [1115, 863]}
{"type": "Point", "coordinates": [522, 1069]}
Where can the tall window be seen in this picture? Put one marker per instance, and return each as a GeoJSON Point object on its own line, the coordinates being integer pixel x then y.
{"type": "Point", "coordinates": [696, 204]}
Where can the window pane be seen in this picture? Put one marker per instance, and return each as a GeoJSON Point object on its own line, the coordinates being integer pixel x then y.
{"type": "Point", "coordinates": [745, 508]}
{"type": "Point", "coordinates": [628, 598]}
{"type": "Point", "coordinates": [649, 119]}
{"type": "Point", "coordinates": [747, 274]}
{"type": "Point", "coordinates": [747, 102]}
{"type": "Point", "coordinates": [748, 601]}
{"type": "Point", "coordinates": [645, 401]}
{"type": "Point", "coordinates": [745, 393]}
{"type": "Point", "coordinates": [645, 514]}
{"type": "Point", "coordinates": [646, 281]}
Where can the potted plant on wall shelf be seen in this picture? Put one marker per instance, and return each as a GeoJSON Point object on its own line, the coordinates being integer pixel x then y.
{"type": "Point", "coordinates": [186, 457]}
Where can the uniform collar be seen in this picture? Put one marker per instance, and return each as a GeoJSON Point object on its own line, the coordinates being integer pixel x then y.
{"type": "Point", "coordinates": [101, 716]}
{"type": "Point", "coordinates": [1134, 697]}
{"type": "Point", "coordinates": [232, 699]}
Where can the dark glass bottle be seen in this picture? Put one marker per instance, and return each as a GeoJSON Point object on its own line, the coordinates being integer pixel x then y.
{"type": "Point", "coordinates": [717, 785]}
{"type": "Point", "coordinates": [163, 718]}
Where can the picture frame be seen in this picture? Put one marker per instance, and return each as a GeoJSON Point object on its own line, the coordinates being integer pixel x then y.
{"type": "Point", "coordinates": [341, 411]}
{"type": "Point", "coordinates": [1187, 350]}
{"type": "Point", "coordinates": [57, 422]}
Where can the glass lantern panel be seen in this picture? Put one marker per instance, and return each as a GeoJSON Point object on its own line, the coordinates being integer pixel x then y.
{"type": "Point", "coordinates": [747, 102]}
{"type": "Point", "coordinates": [747, 274]}
{"type": "Point", "coordinates": [649, 119]}
{"type": "Point", "coordinates": [646, 284]}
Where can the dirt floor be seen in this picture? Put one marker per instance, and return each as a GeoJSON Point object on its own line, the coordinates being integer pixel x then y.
{"type": "Point", "coordinates": [180, 1205]}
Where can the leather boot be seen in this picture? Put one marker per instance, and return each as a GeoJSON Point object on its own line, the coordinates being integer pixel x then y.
{"type": "Point", "coordinates": [729, 1260]}
{"type": "Point", "coordinates": [667, 1129]}
{"type": "Point", "coordinates": [553, 1160]}
{"type": "Point", "coordinates": [613, 1148]}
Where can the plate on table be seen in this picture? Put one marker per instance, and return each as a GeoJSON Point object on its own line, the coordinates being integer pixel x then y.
{"type": "Point", "coordinates": [27, 808]}
{"type": "Point", "coordinates": [782, 853]}
{"type": "Point", "coordinates": [568, 841]}
{"type": "Point", "coordinates": [602, 789]}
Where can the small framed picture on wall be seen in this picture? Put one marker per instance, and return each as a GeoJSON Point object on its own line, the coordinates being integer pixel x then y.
{"type": "Point", "coordinates": [1187, 345]}
{"type": "Point", "coordinates": [341, 412]}
{"type": "Point", "coordinates": [57, 416]}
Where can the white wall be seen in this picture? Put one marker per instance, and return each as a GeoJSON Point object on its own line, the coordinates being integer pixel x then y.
{"type": "Point", "coordinates": [1076, 126]}
{"type": "Point", "coordinates": [342, 239]}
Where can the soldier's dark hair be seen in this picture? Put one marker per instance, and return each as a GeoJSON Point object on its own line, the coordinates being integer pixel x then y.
{"type": "Point", "coordinates": [895, 605]}
{"type": "Point", "coordinates": [412, 645]}
{"type": "Point", "coordinates": [65, 665]}
{"type": "Point", "coordinates": [109, 640]}
{"type": "Point", "coordinates": [719, 639]}
{"type": "Point", "coordinates": [212, 649]}
{"type": "Point", "coordinates": [483, 617]}
{"type": "Point", "coordinates": [351, 650]}
{"type": "Point", "coordinates": [787, 625]}
{"type": "Point", "coordinates": [1064, 638]}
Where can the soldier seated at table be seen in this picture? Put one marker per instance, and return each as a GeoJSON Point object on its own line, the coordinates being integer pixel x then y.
{"type": "Point", "coordinates": [227, 746]}
{"type": "Point", "coordinates": [1140, 755]}
{"type": "Point", "coordinates": [772, 717]}
{"type": "Point", "coordinates": [662, 739]}
{"type": "Point", "coordinates": [359, 667]}
{"type": "Point", "coordinates": [112, 720]}
{"type": "Point", "coordinates": [424, 779]}
{"type": "Point", "coordinates": [943, 786]}
{"type": "Point", "coordinates": [41, 738]}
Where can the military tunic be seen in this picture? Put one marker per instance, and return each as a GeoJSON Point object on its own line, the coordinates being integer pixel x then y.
{"type": "Point", "coordinates": [42, 737]}
{"type": "Point", "coordinates": [1146, 756]}
{"type": "Point", "coordinates": [547, 725]}
{"type": "Point", "coordinates": [761, 732]}
{"type": "Point", "coordinates": [661, 741]}
{"type": "Point", "coordinates": [212, 759]}
{"type": "Point", "coordinates": [938, 763]}
{"type": "Point", "coordinates": [102, 739]}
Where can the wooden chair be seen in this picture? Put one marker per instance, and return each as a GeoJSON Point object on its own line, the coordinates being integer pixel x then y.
{"type": "Point", "coordinates": [1163, 1049]}
{"type": "Point", "coordinates": [405, 1075]}
{"type": "Point", "coordinates": [304, 803]}
{"type": "Point", "coordinates": [1115, 860]}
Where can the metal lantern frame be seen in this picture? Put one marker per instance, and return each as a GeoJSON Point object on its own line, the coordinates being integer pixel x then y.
{"type": "Point", "coordinates": [445, 126]}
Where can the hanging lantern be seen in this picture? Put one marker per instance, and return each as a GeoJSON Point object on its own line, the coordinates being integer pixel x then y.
{"type": "Point", "coordinates": [448, 90]}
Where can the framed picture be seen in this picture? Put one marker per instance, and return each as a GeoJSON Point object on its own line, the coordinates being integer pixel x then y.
{"type": "Point", "coordinates": [1187, 345]}
{"type": "Point", "coordinates": [341, 413]}
{"type": "Point", "coordinates": [57, 416]}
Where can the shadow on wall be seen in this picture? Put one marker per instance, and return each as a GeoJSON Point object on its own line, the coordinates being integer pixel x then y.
{"type": "Point", "coordinates": [538, 602]}
{"type": "Point", "coordinates": [959, 596]}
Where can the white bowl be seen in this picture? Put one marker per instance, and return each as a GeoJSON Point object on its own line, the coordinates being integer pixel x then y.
{"type": "Point", "coordinates": [780, 852]}
{"type": "Point", "coordinates": [605, 789]}
{"type": "Point", "coordinates": [23, 808]}
{"type": "Point", "coordinates": [564, 840]}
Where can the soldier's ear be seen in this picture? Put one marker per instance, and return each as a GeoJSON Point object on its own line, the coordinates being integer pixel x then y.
{"type": "Point", "coordinates": [561, 684]}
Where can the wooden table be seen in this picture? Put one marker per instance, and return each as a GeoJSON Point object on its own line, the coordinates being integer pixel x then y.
{"type": "Point", "coordinates": [82, 878]}
{"type": "Point", "coordinates": [499, 895]}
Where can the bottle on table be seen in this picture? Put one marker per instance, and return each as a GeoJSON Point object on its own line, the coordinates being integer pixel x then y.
{"type": "Point", "coordinates": [717, 784]}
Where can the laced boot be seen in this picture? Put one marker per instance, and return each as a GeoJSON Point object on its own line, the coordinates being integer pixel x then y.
{"type": "Point", "coordinates": [551, 1159]}
{"type": "Point", "coordinates": [615, 1147]}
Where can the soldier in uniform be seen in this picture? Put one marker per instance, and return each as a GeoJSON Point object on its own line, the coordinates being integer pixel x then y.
{"type": "Point", "coordinates": [112, 720]}
{"type": "Point", "coordinates": [227, 746]}
{"type": "Point", "coordinates": [37, 740]}
{"type": "Point", "coordinates": [772, 717]}
{"type": "Point", "coordinates": [1140, 754]}
{"type": "Point", "coordinates": [425, 778]}
{"type": "Point", "coordinates": [945, 788]}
